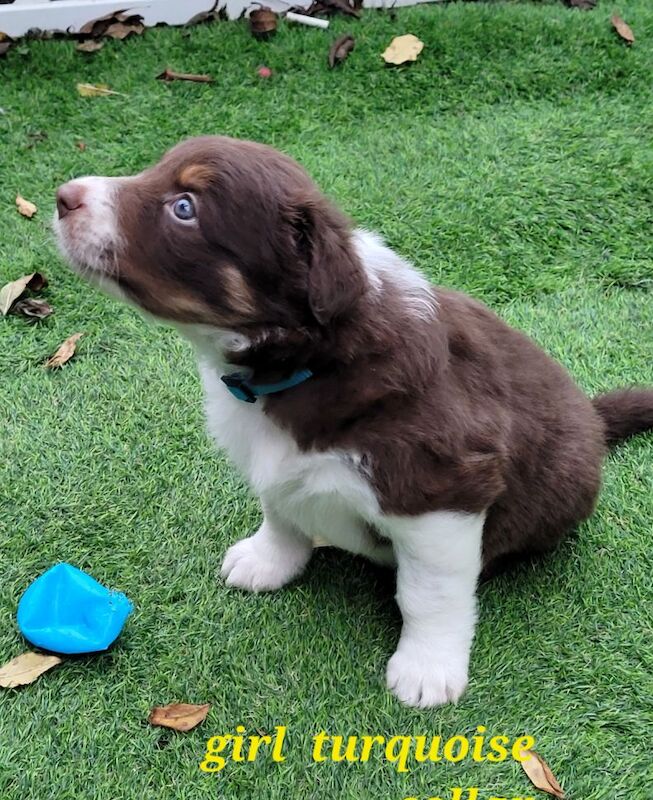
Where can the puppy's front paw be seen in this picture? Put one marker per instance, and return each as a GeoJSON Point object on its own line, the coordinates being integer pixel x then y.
{"type": "Point", "coordinates": [253, 565]}
{"type": "Point", "coordinates": [422, 679]}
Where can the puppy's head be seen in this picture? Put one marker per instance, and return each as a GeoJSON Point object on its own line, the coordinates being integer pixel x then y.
{"type": "Point", "coordinates": [220, 232]}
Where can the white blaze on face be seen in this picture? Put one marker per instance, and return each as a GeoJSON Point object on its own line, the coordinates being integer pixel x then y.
{"type": "Point", "coordinates": [87, 228]}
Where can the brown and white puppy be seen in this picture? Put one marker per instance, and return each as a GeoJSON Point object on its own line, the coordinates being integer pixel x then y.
{"type": "Point", "coordinates": [430, 435]}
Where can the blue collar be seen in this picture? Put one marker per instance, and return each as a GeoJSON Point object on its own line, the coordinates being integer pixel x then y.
{"type": "Point", "coordinates": [242, 389]}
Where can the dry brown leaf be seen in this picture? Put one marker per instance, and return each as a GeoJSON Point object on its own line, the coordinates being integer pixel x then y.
{"type": "Point", "coordinates": [180, 716]}
{"type": "Point", "coordinates": [81, 146]}
{"type": "Point", "coordinates": [205, 16]}
{"type": "Point", "coordinates": [25, 208]}
{"type": "Point", "coordinates": [170, 75]}
{"type": "Point", "coordinates": [340, 49]}
{"type": "Point", "coordinates": [12, 291]}
{"type": "Point", "coordinates": [65, 352]}
{"type": "Point", "coordinates": [36, 136]}
{"type": "Point", "coordinates": [624, 30]}
{"type": "Point", "coordinates": [540, 774]}
{"type": "Point", "coordinates": [100, 26]}
{"type": "Point", "coordinates": [121, 30]}
{"type": "Point", "coordinates": [403, 49]}
{"type": "Point", "coordinates": [93, 90]}
{"type": "Point", "coordinates": [26, 668]}
{"type": "Point", "coordinates": [33, 308]}
{"type": "Point", "coordinates": [38, 282]}
{"type": "Point", "coordinates": [263, 22]}
{"type": "Point", "coordinates": [89, 46]}
{"type": "Point", "coordinates": [329, 8]}
{"type": "Point", "coordinates": [6, 43]}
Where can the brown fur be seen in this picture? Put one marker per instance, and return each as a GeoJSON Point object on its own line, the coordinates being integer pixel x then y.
{"type": "Point", "coordinates": [460, 412]}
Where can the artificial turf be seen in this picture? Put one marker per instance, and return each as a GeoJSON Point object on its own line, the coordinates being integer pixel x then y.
{"type": "Point", "coordinates": [513, 161]}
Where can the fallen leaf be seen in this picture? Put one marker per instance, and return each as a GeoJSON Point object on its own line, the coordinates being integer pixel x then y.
{"type": "Point", "coordinates": [38, 33]}
{"type": "Point", "coordinates": [6, 43]}
{"type": "Point", "coordinates": [340, 49]}
{"type": "Point", "coordinates": [89, 46]}
{"type": "Point", "coordinates": [121, 30]}
{"type": "Point", "coordinates": [26, 668]}
{"type": "Point", "coordinates": [65, 352]}
{"type": "Point", "coordinates": [180, 716]}
{"type": "Point", "coordinates": [33, 308]}
{"type": "Point", "coordinates": [12, 291]}
{"type": "Point", "coordinates": [328, 8]}
{"type": "Point", "coordinates": [342, 6]}
{"type": "Point", "coordinates": [93, 90]}
{"type": "Point", "coordinates": [24, 207]}
{"type": "Point", "coordinates": [622, 29]}
{"type": "Point", "coordinates": [205, 16]}
{"type": "Point", "coordinates": [170, 75]}
{"type": "Point", "coordinates": [212, 15]}
{"type": "Point", "coordinates": [96, 28]}
{"type": "Point", "coordinates": [264, 72]}
{"type": "Point", "coordinates": [539, 773]}
{"type": "Point", "coordinates": [36, 136]}
{"type": "Point", "coordinates": [80, 146]}
{"type": "Point", "coordinates": [403, 49]}
{"type": "Point", "coordinates": [263, 22]}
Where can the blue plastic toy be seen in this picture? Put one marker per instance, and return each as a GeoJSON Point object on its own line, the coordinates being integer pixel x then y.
{"type": "Point", "coordinates": [67, 611]}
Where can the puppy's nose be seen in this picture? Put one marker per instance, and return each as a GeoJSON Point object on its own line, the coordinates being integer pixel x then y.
{"type": "Point", "coordinates": [69, 197]}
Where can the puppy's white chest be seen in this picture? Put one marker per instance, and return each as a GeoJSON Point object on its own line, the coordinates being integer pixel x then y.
{"type": "Point", "coordinates": [323, 493]}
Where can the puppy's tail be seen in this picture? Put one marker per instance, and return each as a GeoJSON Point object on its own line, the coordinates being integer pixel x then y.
{"type": "Point", "coordinates": [625, 412]}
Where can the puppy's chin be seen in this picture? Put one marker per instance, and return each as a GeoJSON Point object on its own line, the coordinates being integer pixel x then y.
{"type": "Point", "coordinates": [95, 267]}
{"type": "Point", "coordinates": [82, 258]}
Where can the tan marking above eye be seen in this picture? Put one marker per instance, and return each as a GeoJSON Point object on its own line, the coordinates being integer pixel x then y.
{"type": "Point", "coordinates": [195, 176]}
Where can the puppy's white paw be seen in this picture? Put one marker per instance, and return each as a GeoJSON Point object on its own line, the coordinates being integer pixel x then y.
{"type": "Point", "coordinates": [253, 565]}
{"type": "Point", "coordinates": [424, 680]}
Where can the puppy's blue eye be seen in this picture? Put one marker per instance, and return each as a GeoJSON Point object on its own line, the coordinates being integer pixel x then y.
{"type": "Point", "coordinates": [184, 208]}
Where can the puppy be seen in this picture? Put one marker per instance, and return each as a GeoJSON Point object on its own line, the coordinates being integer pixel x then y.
{"type": "Point", "coordinates": [396, 420]}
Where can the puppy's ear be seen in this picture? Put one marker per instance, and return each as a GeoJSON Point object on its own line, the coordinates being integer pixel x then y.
{"type": "Point", "coordinates": [336, 278]}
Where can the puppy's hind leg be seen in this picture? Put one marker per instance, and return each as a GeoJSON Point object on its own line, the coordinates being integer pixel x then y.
{"type": "Point", "coordinates": [275, 555]}
{"type": "Point", "coordinates": [439, 560]}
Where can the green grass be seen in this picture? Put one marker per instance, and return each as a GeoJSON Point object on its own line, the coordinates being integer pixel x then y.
{"type": "Point", "coordinates": [514, 161]}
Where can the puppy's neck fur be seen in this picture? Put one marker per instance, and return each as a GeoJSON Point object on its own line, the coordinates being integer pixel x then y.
{"type": "Point", "coordinates": [399, 305]}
